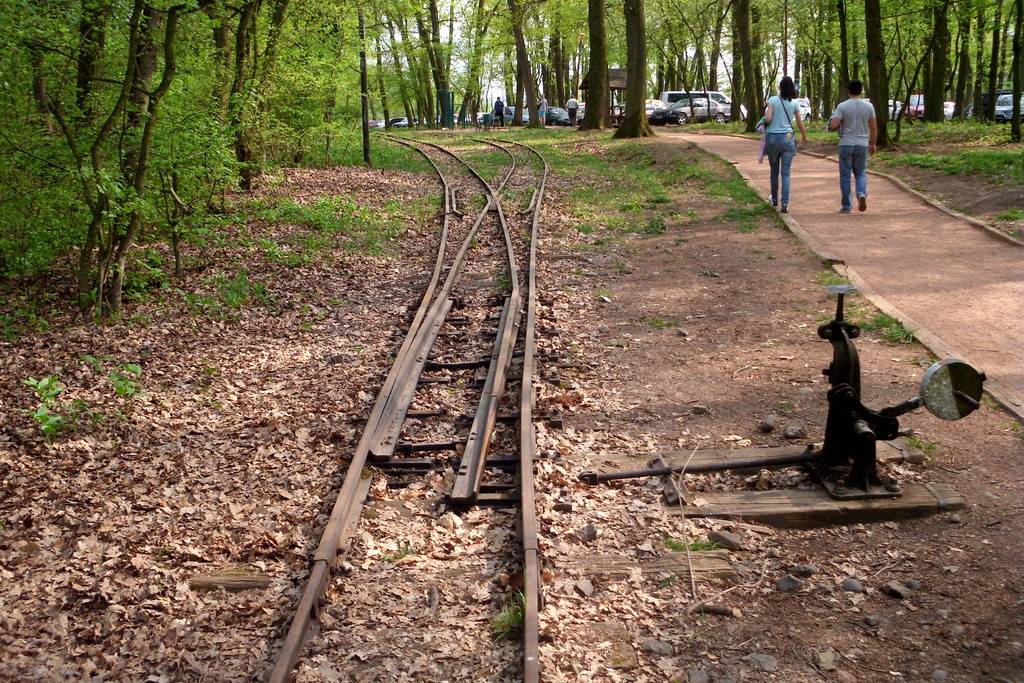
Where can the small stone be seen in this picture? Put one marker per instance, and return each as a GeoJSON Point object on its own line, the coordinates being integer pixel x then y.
{"type": "Point", "coordinates": [804, 571]}
{"type": "Point", "coordinates": [764, 662]}
{"type": "Point", "coordinates": [913, 584]}
{"type": "Point", "coordinates": [656, 647]}
{"type": "Point", "coordinates": [852, 585]}
{"type": "Point", "coordinates": [697, 676]}
{"type": "Point", "coordinates": [682, 333]}
{"type": "Point", "coordinates": [726, 539]}
{"type": "Point", "coordinates": [603, 329]}
{"type": "Point", "coordinates": [826, 661]}
{"type": "Point", "coordinates": [450, 520]}
{"type": "Point", "coordinates": [700, 409]}
{"type": "Point", "coordinates": [587, 533]}
{"type": "Point", "coordinates": [774, 553]}
{"type": "Point", "coordinates": [768, 424]}
{"type": "Point", "coordinates": [943, 613]}
{"type": "Point", "coordinates": [957, 630]}
{"type": "Point", "coordinates": [872, 620]}
{"type": "Point", "coordinates": [789, 584]}
{"type": "Point", "coordinates": [584, 587]}
{"type": "Point", "coordinates": [795, 431]}
{"type": "Point", "coordinates": [670, 492]}
{"type": "Point", "coordinates": [939, 675]}
{"type": "Point", "coordinates": [897, 590]}
{"type": "Point", "coordinates": [955, 518]}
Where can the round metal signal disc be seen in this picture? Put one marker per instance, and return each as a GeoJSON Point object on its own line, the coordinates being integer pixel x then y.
{"type": "Point", "coordinates": [951, 389]}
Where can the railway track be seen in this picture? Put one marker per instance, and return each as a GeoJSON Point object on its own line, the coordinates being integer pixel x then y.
{"type": "Point", "coordinates": [451, 430]}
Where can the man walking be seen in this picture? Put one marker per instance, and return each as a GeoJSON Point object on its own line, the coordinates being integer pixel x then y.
{"type": "Point", "coordinates": [573, 106]}
{"type": "Point", "coordinates": [498, 113]}
{"type": "Point", "coordinates": [855, 120]}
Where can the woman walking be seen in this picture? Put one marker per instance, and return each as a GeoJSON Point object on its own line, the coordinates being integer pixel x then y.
{"type": "Point", "coordinates": [780, 138]}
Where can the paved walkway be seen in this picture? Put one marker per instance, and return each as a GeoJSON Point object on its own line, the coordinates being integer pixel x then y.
{"type": "Point", "coordinates": [962, 285]}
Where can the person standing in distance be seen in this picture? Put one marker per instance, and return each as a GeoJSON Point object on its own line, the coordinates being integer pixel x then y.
{"type": "Point", "coordinates": [855, 120]}
{"type": "Point", "coordinates": [780, 138]}
{"type": "Point", "coordinates": [499, 113]}
{"type": "Point", "coordinates": [573, 106]}
{"type": "Point", "coordinates": [542, 110]}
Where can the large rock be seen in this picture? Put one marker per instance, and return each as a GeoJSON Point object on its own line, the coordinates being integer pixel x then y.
{"type": "Point", "coordinates": [897, 590]}
{"type": "Point", "coordinates": [763, 662]}
{"type": "Point", "coordinates": [852, 585]}
{"type": "Point", "coordinates": [656, 647]}
{"type": "Point", "coordinates": [726, 539]}
{"type": "Point", "coordinates": [789, 584]}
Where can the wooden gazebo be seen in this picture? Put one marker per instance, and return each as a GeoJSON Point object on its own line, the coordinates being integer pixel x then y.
{"type": "Point", "coordinates": [616, 83]}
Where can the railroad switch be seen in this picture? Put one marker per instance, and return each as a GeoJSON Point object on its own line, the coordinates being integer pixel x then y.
{"type": "Point", "coordinates": [845, 464]}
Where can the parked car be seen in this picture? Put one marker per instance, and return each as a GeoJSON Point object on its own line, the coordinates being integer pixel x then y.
{"type": "Point", "coordinates": [652, 106]}
{"type": "Point", "coordinates": [378, 124]}
{"type": "Point", "coordinates": [1004, 108]}
{"type": "Point", "coordinates": [557, 117]}
{"type": "Point", "coordinates": [915, 107]}
{"type": "Point", "coordinates": [895, 107]}
{"type": "Point", "coordinates": [713, 105]}
{"type": "Point", "coordinates": [398, 122]}
{"type": "Point", "coordinates": [678, 113]}
{"type": "Point", "coordinates": [947, 110]}
{"type": "Point", "coordinates": [805, 108]}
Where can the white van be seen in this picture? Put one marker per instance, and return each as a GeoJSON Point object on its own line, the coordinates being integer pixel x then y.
{"type": "Point", "coordinates": [707, 104]}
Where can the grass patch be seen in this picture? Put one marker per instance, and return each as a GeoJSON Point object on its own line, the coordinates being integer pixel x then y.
{"type": "Point", "coordinates": [1002, 166]}
{"type": "Point", "coordinates": [654, 226]}
{"type": "Point", "coordinates": [929, 448]}
{"type": "Point", "coordinates": [696, 546]}
{"type": "Point", "coordinates": [889, 328]}
{"type": "Point", "coordinates": [404, 550]}
{"type": "Point", "coordinates": [660, 323]}
{"type": "Point", "coordinates": [509, 621]}
{"type": "Point", "coordinates": [830, 278]}
{"type": "Point", "coordinates": [1011, 215]}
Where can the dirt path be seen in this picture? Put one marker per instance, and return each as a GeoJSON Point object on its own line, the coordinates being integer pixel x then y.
{"type": "Point", "coordinates": [938, 272]}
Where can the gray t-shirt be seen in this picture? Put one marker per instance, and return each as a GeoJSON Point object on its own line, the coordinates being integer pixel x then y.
{"type": "Point", "coordinates": [855, 115]}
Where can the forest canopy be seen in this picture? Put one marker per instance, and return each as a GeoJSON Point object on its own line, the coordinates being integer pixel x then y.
{"type": "Point", "coordinates": [132, 122]}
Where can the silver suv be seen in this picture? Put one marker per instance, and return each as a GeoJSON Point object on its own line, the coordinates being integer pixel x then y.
{"type": "Point", "coordinates": [709, 105]}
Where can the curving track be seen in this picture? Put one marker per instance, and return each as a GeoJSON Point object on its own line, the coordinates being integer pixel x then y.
{"type": "Point", "coordinates": [448, 395]}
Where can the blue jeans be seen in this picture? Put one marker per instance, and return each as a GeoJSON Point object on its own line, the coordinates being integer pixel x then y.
{"type": "Point", "coordinates": [780, 149]}
{"type": "Point", "coordinates": [853, 160]}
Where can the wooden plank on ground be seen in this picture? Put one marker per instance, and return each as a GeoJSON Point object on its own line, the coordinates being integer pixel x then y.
{"type": "Point", "coordinates": [888, 451]}
{"type": "Point", "coordinates": [814, 507]}
{"type": "Point", "coordinates": [706, 565]}
{"type": "Point", "coordinates": [611, 639]}
{"type": "Point", "coordinates": [234, 578]}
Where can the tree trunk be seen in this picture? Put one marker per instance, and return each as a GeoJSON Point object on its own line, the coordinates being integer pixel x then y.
{"type": "Point", "coordinates": [523, 63]}
{"type": "Point", "coordinates": [979, 62]}
{"type": "Point", "coordinates": [756, 55]}
{"type": "Point", "coordinates": [844, 51]}
{"type": "Point", "coordinates": [934, 95]}
{"type": "Point", "coordinates": [380, 82]}
{"type": "Point", "coordinates": [993, 69]}
{"type": "Point", "coordinates": [596, 115]}
{"type": "Point", "coordinates": [403, 90]}
{"type": "Point", "coordinates": [91, 40]}
{"type": "Point", "coordinates": [634, 123]}
{"type": "Point", "coordinates": [125, 240]}
{"type": "Point", "coordinates": [963, 72]}
{"type": "Point", "coordinates": [364, 88]}
{"type": "Point", "coordinates": [738, 79]}
{"type": "Point", "coordinates": [742, 9]}
{"type": "Point", "coordinates": [243, 36]}
{"type": "Point", "coordinates": [1018, 67]}
{"type": "Point", "coordinates": [716, 51]}
{"type": "Point", "coordinates": [876, 68]}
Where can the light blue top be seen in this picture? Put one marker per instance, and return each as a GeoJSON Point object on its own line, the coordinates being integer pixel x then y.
{"type": "Point", "coordinates": [779, 122]}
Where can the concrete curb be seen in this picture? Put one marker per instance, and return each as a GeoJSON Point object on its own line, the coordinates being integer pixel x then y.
{"type": "Point", "coordinates": [926, 337]}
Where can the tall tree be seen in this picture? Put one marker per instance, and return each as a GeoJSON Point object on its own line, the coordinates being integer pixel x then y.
{"type": "Point", "coordinates": [596, 115]}
{"type": "Point", "coordinates": [634, 123]}
{"type": "Point", "coordinates": [935, 80]}
{"type": "Point", "coordinates": [993, 68]}
{"type": "Point", "coordinates": [877, 75]}
{"type": "Point", "coordinates": [742, 18]}
{"type": "Point", "coordinates": [523, 63]}
{"type": "Point", "coordinates": [1018, 68]}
